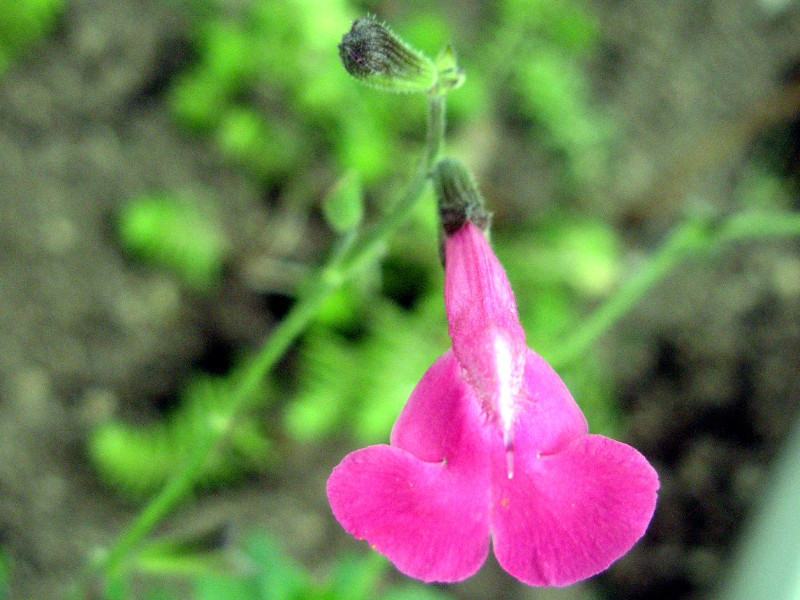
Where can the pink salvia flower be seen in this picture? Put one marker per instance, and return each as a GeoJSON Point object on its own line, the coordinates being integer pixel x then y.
{"type": "Point", "coordinates": [491, 446]}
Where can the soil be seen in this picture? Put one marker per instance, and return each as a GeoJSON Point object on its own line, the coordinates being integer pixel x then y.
{"type": "Point", "coordinates": [706, 368]}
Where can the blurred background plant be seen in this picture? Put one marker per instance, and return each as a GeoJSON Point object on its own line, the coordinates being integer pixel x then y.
{"type": "Point", "coordinates": [257, 567]}
{"type": "Point", "coordinates": [22, 24]}
{"type": "Point", "coordinates": [265, 86]}
{"type": "Point", "coordinates": [5, 574]}
{"type": "Point", "coordinates": [138, 461]}
{"type": "Point", "coordinates": [174, 234]}
{"type": "Point", "coordinates": [541, 49]}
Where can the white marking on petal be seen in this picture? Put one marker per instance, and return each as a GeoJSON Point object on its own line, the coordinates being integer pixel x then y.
{"type": "Point", "coordinates": [510, 463]}
{"type": "Point", "coordinates": [507, 387]}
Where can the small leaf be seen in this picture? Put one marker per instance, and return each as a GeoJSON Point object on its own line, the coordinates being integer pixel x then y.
{"type": "Point", "coordinates": [22, 23]}
{"type": "Point", "coordinates": [137, 460]}
{"type": "Point", "coordinates": [175, 235]}
{"type": "Point", "coordinates": [343, 207]}
{"type": "Point", "coordinates": [198, 564]}
{"type": "Point", "coordinates": [5, 574]}
{"type": "Point", "coordinates": [451, 76]}
{"type": "Point", "coordinates": [278, 577]}
{"type": "Point", "coordinates": [355, 576]}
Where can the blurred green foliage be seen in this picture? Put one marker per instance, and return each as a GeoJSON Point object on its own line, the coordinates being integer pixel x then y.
{"type": "Point", "coordinates": [343, 207]}
{"type": "Point", "coordinates": [540, 47]}
{"type": "Point", "coordinates": [373, 341]}
{"type": "Point", "coordinates": [138, 460]}
{"type": "Point", "coordinates": [360, 385]}
{"type": "Point", "coordinates": [22, 23]}
{"type": "Point", "coordinates": [5, 574]}
{"type": "Point", "coordinates": [766, 563]}
{"type": "Point", "coordinates": [176, 235]}
{"type": "Point", "coordinates": [258, 568]}
{"type": "Point", "coordinates": [268, 87]}
{"type": "Point", "coordinates": [568, 264]}
{"type": "Point", "coordinates": [760, 190]}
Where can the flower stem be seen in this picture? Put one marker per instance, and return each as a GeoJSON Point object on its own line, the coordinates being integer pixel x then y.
{"type": "Point", "coordinates": [364, 249]}
{"type": "Point", "coordinates": [351, 257]}
{"type": "Point", "coordinates": [692, 238]}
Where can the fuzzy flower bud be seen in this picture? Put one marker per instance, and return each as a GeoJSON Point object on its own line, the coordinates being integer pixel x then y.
{"type": "Point", "coordinates": [458, 197]}
{"type": "Point", "coordinates": [373, 54]}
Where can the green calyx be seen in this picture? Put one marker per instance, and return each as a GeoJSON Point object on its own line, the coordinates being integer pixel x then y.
{"type": "Point", "coordinates": [458, 197]}
{"type": "Point", "coordinates": [449, 75]}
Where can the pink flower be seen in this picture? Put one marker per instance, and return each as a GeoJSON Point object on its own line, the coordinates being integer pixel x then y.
{"type": "Point", "coordinates": [491, 446]}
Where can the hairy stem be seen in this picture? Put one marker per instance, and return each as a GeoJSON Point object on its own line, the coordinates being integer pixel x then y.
{"type": "Point", "coordinates": [692, 238]}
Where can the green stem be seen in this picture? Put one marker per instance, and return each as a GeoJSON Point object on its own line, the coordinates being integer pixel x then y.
{"type": "Point", "coordinates": [343, 265]}
{"type": "Point", "coordinates": [691, 238]}
{"type": "Point", "coordinates": [745, 226]}
{"type": "Point", "coordinates": [368, 245]}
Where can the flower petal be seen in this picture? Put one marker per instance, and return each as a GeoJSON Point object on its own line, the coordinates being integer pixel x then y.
{"type": "Point", "coordinates": [568, 516]}
{"type": "Point", "coordinates": [432, 523]}
{"type": "Point", "coordinates": [549, 418]}
{"type": "Point", "coordinates": [476, 290]}
{"type": "Point", "coordinates": [488, 340]}
{"type": "Point", "coordinates": [442, 420]}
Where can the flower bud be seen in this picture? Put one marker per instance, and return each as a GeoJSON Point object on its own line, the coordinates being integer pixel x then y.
{"type": "Point", "coordinates": [372, 53]}
{"type": "Point", "coordinates": [458, 197]}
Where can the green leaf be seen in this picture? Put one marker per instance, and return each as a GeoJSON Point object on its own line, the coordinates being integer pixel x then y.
{"type": "Point", "coordinates": [5, 574]}
{"type": "Point", "coordinates": [227, 54]}
{"type": "Point", "coordinates": [342, 309]}
{"type": "Point", "coordinates": [138, 460]}
{"type": "Point", "coordinates": [197, 100]}
{"type": "Point", "coordinates": [163, 594]}
{"type": "Point", "coordinates": [191, 554]}
{"type": "Point", "coordinates": [591, 384]}
{"type": "Point", "coordinates": [767, 562]}
{"type": "Point", "coordinates": [117, 588]}
{"type": "Point", "coordinates": [355, 576]}
{"type": "Point", "coordinates": [319, 407]}
{"type": "Point", "coordinates": [343, 206]}
{"type": "Point", "coordinates": [268, 147]}
{"type": "Point", "coordinates": [22, 23]}
{"type": "Point", "coordinates": [176, 235]}
{"type": "Point", "coordinates": [562, 24]}
{"type": "Point", "coordinates": [277, 576]}
{"type": "Point", "coordinates": [363, 384]}
{"type": "Point", "coordinates": [198, 564]}
{"type": "Point", "coordinates": [222, 587]}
